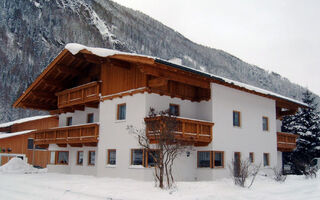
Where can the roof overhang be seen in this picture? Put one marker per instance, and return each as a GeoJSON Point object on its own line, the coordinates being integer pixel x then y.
{"type": "Point", "coordinates": [85, 56]}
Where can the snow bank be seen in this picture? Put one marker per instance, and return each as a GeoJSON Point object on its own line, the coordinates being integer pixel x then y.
{"type": "Point", "coordinates": [17, 165]}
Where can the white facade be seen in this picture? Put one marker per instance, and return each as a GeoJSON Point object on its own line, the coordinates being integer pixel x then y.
{"type": "Point", "coordinates": [113, 133]}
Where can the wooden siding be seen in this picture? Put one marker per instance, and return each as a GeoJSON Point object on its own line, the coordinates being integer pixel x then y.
{"type": "Point", "coordinates": [36, 124]}
{"type": "Point", "coordinates": [286, 142]}
{"type": "Point", "coordinates": [74, 135]}
{"type": "Point", "coordinates": [118, 78]}
{"type": "Point", "coordinates": [198, 133]}
{"type": "Point", "coordinates": [19, 145]}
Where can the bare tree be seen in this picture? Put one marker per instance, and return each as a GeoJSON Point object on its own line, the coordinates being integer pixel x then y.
{"type": "Point", "coordinates": [241, 170]}
{"type": "Point", "coordinates": [160, 141]}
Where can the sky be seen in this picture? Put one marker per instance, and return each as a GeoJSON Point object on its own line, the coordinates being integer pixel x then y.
{"type": "Point", "coordinates": [282, 36]}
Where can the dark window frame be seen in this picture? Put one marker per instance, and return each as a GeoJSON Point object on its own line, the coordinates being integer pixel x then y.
{"type": "Point", "coordinates": [69, 121]}
{"type": "Point", "coordinates": [119, 106]}
{"type": "Point", "coordinates": [90, 118]}
{"type": "Point", "coordinates": [115, 160]}
{"type": "Point", "coordinates": [177, 109]}
{"type": "Point", "coordinates": [234, 113]}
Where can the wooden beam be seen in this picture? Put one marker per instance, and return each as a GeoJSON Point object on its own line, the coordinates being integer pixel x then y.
{"type": "Point", "coordinates": [67, 70]}
{"type": "Point", "coordinates": [119, 63]}
{"type": "Point", "coordinates": [75, 144]}
{"type": "Point", "coordinates": [38, 106]}
{"type": "Point", "coordinates": [92, 105]}
{"type": "Point", "coordinates": [93, 58]}
{"type": "Point", "coordinates": [178, 77]}
{"type": "Point", "coordinates": [158, 82]}
{"type": "Point", "coordinates": [62, 145]}
{"type": "Point", "coordinates": [43, 94]}
{"type": "Point", "coordinates": [91, 144]}
{"type": "Point", "coordinates": [78, 107]}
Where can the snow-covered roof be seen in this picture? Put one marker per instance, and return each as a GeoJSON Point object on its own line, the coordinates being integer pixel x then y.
{"type": "Point", "coordinates": [7, 135]}
{"type": "Point", "coordinates": [24, 120]}
{"type": "Point", "coordinates": [75, 48]}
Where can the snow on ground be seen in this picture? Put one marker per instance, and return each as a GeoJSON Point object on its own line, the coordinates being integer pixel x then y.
{"type": "Point", "coordinates": [53, 186]}
{"type": "Point", "coordinates": [17, 165]}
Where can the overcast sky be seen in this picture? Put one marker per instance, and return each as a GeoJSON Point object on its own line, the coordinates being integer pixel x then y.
{"type": "Point", "coordinates": [280, 36]}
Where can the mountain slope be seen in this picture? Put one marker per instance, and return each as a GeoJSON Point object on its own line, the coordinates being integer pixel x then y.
{"type": "Point", "coordinates": [32, 32]}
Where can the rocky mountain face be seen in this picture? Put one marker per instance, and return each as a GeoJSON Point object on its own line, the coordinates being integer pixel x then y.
{"type": "Point", "coordinates": [32, 32]}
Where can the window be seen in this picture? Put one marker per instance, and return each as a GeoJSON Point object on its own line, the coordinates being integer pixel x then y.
{"type": "Point", "coordinates": [137, 157]}
{"type": "Point", "coordinates": [62, 157]}
{"type": "Point", "coordinates": [251, 157]}
{"type": "Point", "coordinates": [152, 157]}
{"type": "Point", "coordinates": [90, 118]}
{"type": "Point", "coordinates": [79, 157]}
{"type": "Point", "coordinates": [111, 157]}
{"type": "Point", "coordinates": [92, 158]}
{"type": "Point", "coordinates": [218, 159]}
{"type": "Point", "coordinates": [265, 123]}
{"type": "Point", "coordinates": [30, 143]}
{"type": "Point", "coordinates": [236, 118]}
{"type": "Point", "coordinates": [121, 112]}
{"type": "Point", "coordinates": [204, 159]}
{"type": "Point", "coordinates": [52, 157]}
{"type": "Point", "coordinates": [69, 121]}
{"type": "Point", "coordinates": [174, 109]}
{"type": "Point", "coordinates": [266, 159]}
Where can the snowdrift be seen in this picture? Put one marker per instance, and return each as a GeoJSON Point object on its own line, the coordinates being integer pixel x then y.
{"type": "Point", "coordinates": [17, 165]}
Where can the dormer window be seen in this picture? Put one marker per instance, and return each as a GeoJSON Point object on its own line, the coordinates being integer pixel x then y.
{"type": "Point", "coordinates": [174, 109]}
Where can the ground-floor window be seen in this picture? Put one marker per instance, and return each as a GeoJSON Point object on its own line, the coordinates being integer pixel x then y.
{"type": "Point", "coordinates": [92, 158]}
{"type": "Point", "coordinates": [210, 159]}
{"type": "Point", "coordinates": [112, 155]}
{"type": "Point", "coordinates": [62, 157]}
{"type": "Point", "coordinates": [218, 159]}
{"type": "Point", "coordinates": [266, 160]}
{"type": "Point", "coordinates": [204, 159]}
{"type": "Point", "coordinates": [152, 158]}
{"type": "Point", "coordinates": [137, 156]}
{"type": "Point", "coordinates": [80, 158]}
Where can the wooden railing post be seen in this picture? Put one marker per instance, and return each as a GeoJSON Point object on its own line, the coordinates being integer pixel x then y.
{"type": "Point", "coordinates": [183, 127]}
{"type": "Point", "coordinates": [198, 130]}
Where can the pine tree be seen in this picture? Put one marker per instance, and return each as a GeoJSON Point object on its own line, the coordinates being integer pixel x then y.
{"type": "Point", "coordinates": [306, 124]}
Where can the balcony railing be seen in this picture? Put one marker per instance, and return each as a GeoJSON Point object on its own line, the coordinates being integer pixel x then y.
{"type": "Point", "coordinates": [72, 135]}
{"type": "Point", "coordinates": [79, 95]}
{"type": "Point", "coordinates": [286, 141]}
{"type": "Point", "coordinates": [188, 131]}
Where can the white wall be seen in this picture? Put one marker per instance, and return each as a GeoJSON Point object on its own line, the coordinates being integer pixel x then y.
{"type": "Point", "coordinates": [79, 117]}
{"type": "Point", "coordinates": [194, 110]}
{"type": "Point", "coordinates": [72, 166]}
{"type": "Point", "coordinates": [249, 137]}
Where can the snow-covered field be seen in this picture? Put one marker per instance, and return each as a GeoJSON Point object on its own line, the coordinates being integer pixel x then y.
{"type": "Point", "coordinates": [47, 186]}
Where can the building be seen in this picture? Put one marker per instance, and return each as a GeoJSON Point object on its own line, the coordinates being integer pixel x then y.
{"type": "Point", "coordinates": [98, 92]}
{"type": "Point", "coordinates": [17, 139]}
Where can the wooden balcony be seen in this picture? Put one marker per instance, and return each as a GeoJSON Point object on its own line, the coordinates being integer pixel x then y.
{"type": "Point", "coordinates": [286, 141]}
{"type": "Point", "coordinates": [75, 136]}
{"type": "Point", "coordinates": [81, 95]}
{"type": "Point", "coordinates": [188, 131]}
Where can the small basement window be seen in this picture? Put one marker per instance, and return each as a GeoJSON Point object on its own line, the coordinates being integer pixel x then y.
{"type": "Point", "coordinates": [90, 118]}
{"type": "Point", "coordinates": [121, 111]}
{"type": "Point", "coordinates": [92, 158]}
{"type": "Point", "coordinates": [112, 157]}
{"type": "Point", "coordinates": [174, 109]}
{"type": "Point", "coordinates": [69, 121]}
{"type": "Point", "coordinates": [236, 118]}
